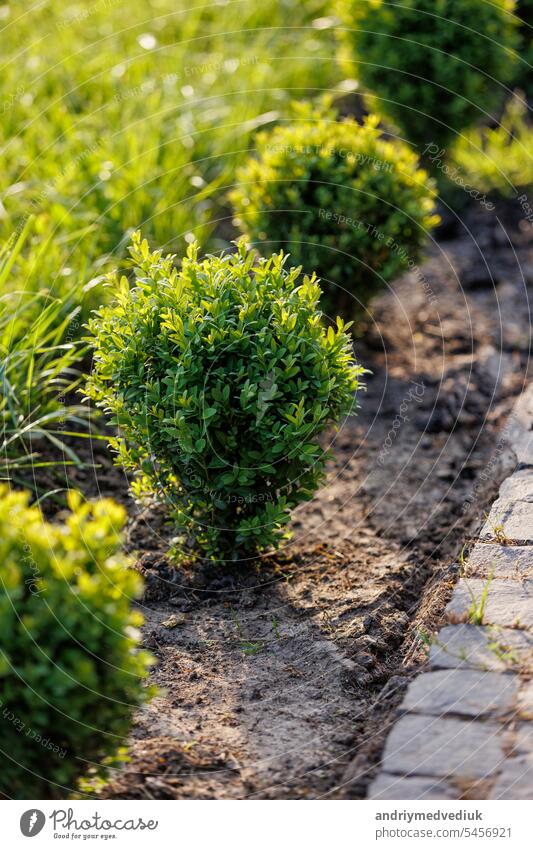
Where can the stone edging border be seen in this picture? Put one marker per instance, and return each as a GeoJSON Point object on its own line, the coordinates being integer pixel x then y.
{"type": "Point", "coordinates": [464, 730]}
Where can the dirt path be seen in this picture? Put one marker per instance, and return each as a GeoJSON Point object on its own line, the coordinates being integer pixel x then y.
{"type": "Point", "coordinates": [279, 680]}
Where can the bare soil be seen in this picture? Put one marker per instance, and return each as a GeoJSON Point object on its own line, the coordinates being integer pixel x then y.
{"type": "Point", "coordinates": [279, 678]}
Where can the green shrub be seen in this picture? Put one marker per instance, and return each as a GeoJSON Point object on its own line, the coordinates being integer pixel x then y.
{"type": "Point", "coordinates": [524, 70]}
{"type": "Point", "coordinates": [70, 672]}
{"type": "Point", "coordinates": [433, 65]}
{"type": "Point", "coordinates": [340, 199]}
{"type": "Point", "coordinates": [220, 377]}
{"type": "Point", "coordinates": [138, 123]}
{"type": "Point", "coordinates": [498, 159]}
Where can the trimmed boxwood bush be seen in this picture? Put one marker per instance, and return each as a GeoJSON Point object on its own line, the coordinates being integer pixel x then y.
{"type": "Point", "coordinates": [434, 65]}
{"type": "Point", "coordinates": [220, 377]}
{"type": "Point", "coordinates": [341, 200]}
{"type": "Point", "coordinates": [70, 670]}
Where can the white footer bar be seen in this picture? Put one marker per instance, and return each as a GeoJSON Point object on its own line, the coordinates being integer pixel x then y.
{"type": "Point", "coordinates": [269, 824]}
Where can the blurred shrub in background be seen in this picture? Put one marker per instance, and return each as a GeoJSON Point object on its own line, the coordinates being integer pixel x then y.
{"type": "Point", "coordinates": [70, 669]}
{"type": "Point", "coordinates": [524, 69]}
{"type": "Point", "coordinates": [341, 200]}
{"type": "Point", "coordinates": [498, 159]}
{"type": "Point", "coordinates": [220, 378]}
{"type": "Point", "coordinates": [434, 67]}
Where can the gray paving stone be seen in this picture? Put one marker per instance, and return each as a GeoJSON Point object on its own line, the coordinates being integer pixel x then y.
{"type": "Point", "coordinates": [512, 519]}
{"type": "Point", "coordinates": [508, 603]}
{"type": "Point", "coordinates": [484, 648]}
{"type": "Point", "coordinates": [387, 786]}
{"type": "Point", "coordinates": [525, 701]}
{"type": "Point", "coordinates": [467, 692]}
{"type": "Point", "coordinates": [449, 736]}
{"type": "Point", "coordinates": [515, 780]}
{"type": "Point", "coordinates": [518, 486]}
{"type": "Point", "coordinates": [519, 435]}
{"type": "Point", "coordinates": [502, 561]}
{"type": "Point", "coordinates": [443, 747]}
{"type": "Point", "coordinates": [521, 444]}
{"type": "Point", "coordinates": [520, 740]}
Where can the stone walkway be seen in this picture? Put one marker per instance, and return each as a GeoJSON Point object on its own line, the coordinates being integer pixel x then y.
{"type": "Point", "coordinates": [465, 729]}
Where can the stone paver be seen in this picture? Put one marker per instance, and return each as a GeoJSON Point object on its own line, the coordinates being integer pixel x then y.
{"type": "Point", "coordinates": [441, 747]}
{"type": "Point", "coordinates": [486, 648]}
{"type": "Point", "coordinates": [511, 521]}
{"type": "Point", "coordinates": [521, 740]}
{"type": "Point", "coordinates": [515, 780]}
{"type": "Point", "coordinates": [519, 435]}
{"type": "Point", "coordinates": [466, 725]}
{"type": "Point", "coordinates": [508, 603]}
{"type": "Point", "coordinates": [518, 487]}
{"type": "Point", "coordinates": [501, 561]}
{"type": "Point", "coordinates": [465, 692]}
{"type": "Point", "coordinates": [388, 786]}
{"type": "Point", "coordinates": [525, 701]}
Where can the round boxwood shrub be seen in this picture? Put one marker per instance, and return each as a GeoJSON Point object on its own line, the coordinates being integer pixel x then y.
{"type": "Point", "coordinates": [434, 65]}
{"type": "Point", "coordinates": [70, 669]}
{"type": "Point", "coordinates": [341, 200]}
{"type": "Point", "coordinates": [220, 377]}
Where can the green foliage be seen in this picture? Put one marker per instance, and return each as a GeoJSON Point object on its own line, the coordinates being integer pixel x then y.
{"type": "Point", "coordinates": [107, 124]}
{"type": "Point", "coordinates": [524, 70]}
{"type": "Point", "coordinates": [434, 66]}
{"type": "Point", "coordinates": [498, 158]}
{"type": "Point", "coordinates": [69, 665]}
{"type": "Point", "coordinates": [340, 199]}
{"type": "Point", "coordinates": [38, 374]}
{"type": "Point", "coordinates": [220, 377]}
{"type": "Point", "coordinates": [476, 611]}
{"type": "Point", "coordinates": [115, 117]}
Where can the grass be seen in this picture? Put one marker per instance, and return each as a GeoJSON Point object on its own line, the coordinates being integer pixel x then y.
{"type": "Point", "coordinates": [38, 375]}
{"type": "Point", "coordinates": [476, 611]}
{"type": "Point", "coordinates": [117, 116]}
